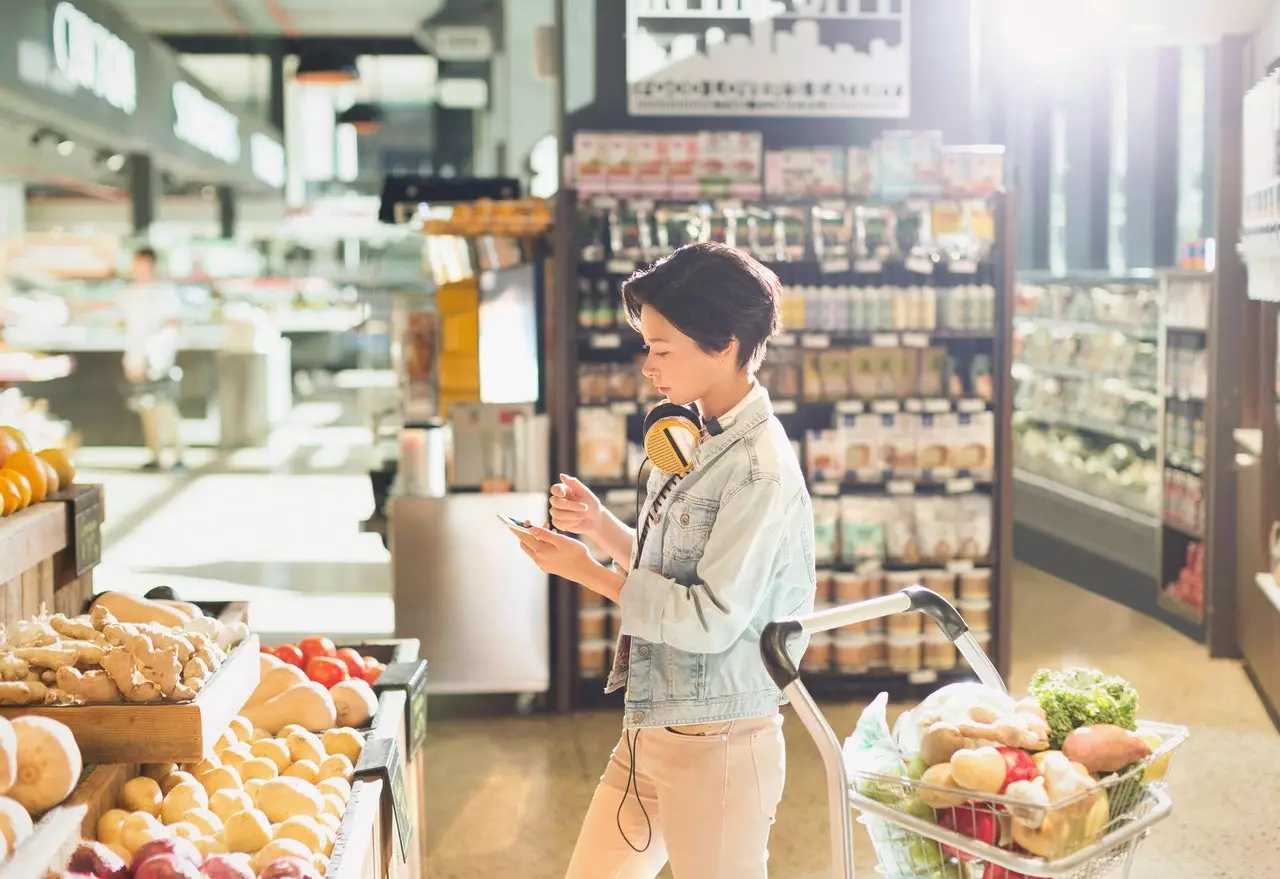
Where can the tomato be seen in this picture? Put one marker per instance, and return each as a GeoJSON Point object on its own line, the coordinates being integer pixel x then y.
{"type": "Point", "coordinates": [327, 671]}
{"type": "Point", "coordinates": [995, 871]}
{"type": "Point", "coordinates": [267, 649]}
{"type": "Point", "coordinates": [354, 662]}
{"type": "Point", "coordinates": [290, 654]}
{"type": "Point", "coordinates": [1018, 766]}
{"type": "Point", "coordinates": [317, 646]}
{"type": "Point", "coordinates": [973, 822]}
{"type": "Point", "coordinates": [372, 671]}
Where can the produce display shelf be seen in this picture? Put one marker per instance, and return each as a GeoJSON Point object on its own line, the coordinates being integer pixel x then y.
{"type": "Point", "coordinates": [1138, 332]}
{"type": "Point", "coordinates": [1115, 431]}
{"type": "Point", "coordinates": [177, 732]}
{"type": "Point", "coordinates": [53, 839]}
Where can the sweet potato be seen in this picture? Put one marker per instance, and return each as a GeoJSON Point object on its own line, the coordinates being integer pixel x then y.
{"type": "Point", "coordinates": [1105, 748]}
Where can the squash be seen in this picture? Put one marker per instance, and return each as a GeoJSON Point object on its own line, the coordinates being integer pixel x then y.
{"type": "Point", "coordinates": [355, 702]}
{"type": "Point", "coordinates": [133, 609]}
{"type": "Point", "coordinates": [192, 612]}
{"type": "Point", "coordinates": [307, 704]}
{"type": "Point", "coordinates": [274, 682]}
{"type": "Point", "coordinates": [283, 798]}
{"type": "Point", "coordinates": [15, 823]}
{"type": "Point", "coordinates": [49, 764]}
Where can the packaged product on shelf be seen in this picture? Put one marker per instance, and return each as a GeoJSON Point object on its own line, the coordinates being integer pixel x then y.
{"type": "Point", "coordinates": [826, 531]}
{"type": "Point", "coordinates": [975, 584]}
{"type": "Point", "coordinates": [901, 624]}
{"type": "Point", "coordinates": [974, 527]}
{"type": "Point", "coordinates": [602, 444]}
{"type": "Point", "coordinates": [933, 441]}
{"type": "Point", "coordinates": [972, 448]}
{"type": "Point", "coordinates": [905, 653]}
{"type": "Point", "coordinates": [591, 658]}
{"type": "Point", "coordinates": [834, 368]}
{"type": "Point", "coordinates": [976, 612]}
{"type": "Point", "coordinates": [874, 233]}
{"type": "Point", "coordinates": [811, 375]}
{"type": "Point", "coordinates": [936, 529]}
{"type": "Point", "coordinates": [908, 163]}
{"type": "Point", "coordinates": [852, 653]}
{"type": "Point", "coordinates": [981, 379]}
{"type": "Point", "coordinates": [824, 456]}
{"type": "Point", "coordinates": [590, 160]}
{"type": "Point", "coordinates": [826, 588]}
{"type": "Point", "coordinates": [902, 429]}
{"type": "Point", "coordinates": [939, 651]}
{"type": "Point", "coordinates": [901, 541]}
{"type": "Point", "coordinates": [651, 164]}
{"type": "Point", "coordinates": [862, 534]}
{"type": "Point", "coordinates": [817, 658]}
{"type": "Point", "coordinates": [850, 586]}
{"type": "Point", "coordinates": [620, 162]}
{"type": "Point", "coordinates": [941, 582]}
{"type": "Point", "coordinates": [972, 170]}
{"type": "Point", "coordinates": [682, 164]}
{"type": "Point", "coordinates": [859, 172]}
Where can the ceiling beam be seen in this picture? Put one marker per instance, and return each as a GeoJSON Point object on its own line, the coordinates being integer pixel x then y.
{"type": "Point", "coordinates": [250, 44]}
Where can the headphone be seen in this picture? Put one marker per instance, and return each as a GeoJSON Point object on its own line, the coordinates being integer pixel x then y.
{"type": "Point", "coordinates": [672, 434]}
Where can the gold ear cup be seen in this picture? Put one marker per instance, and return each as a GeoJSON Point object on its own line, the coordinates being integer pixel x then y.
{"type": "Point", "coordinates": [670, 444]}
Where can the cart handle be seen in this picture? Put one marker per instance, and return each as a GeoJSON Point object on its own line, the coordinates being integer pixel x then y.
{"type": "Point", "coordinates": [782, 669]}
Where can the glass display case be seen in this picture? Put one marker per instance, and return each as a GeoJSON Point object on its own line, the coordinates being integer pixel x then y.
{"type": "Point", "coordinates": [1088, 404]}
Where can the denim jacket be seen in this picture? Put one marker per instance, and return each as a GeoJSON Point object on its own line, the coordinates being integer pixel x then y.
{"type": "Point", "coordinates": [732, 551]}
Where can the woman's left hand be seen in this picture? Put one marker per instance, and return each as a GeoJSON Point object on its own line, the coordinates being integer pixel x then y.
{"type": "Point", "coordinates": [557, 554]}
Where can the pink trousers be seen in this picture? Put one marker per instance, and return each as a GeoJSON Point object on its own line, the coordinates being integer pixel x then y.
{"type": "Point", "coordinates": [710, 800]}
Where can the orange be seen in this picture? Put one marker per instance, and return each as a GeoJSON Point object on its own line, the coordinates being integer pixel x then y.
{"type": "Point", "coordinates": [30, 466]}
{"type": "Point", "coordinates": [59, 461]}
{"type": "Point", "coordinates": [18, 436]}
{"type": "Point", "coordinates": [21, 483]}
{"type": "Point", "coordinates": [49, 474]}
{"type": "Point", "coordinates": [8, 446]}
{"type": "Point", "coordinates": [10, 497]}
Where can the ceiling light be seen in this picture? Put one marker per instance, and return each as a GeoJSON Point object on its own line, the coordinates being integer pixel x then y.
{"type": "Point", "coordinates": [66, 146]}
{"type": "Point", "coordinates": [115, 162]}
{"type": "Point", "coordinates": [364, 118]}
{"type": "Point", "coordinates": [326, 66]}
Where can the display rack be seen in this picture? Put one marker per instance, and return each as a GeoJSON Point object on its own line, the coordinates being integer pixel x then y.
{"type": "Point", "coordinates": [889, 377]}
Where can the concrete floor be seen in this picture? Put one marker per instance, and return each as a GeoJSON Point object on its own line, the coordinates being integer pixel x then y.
{"type": "Point", "coordinates": [280, 525]}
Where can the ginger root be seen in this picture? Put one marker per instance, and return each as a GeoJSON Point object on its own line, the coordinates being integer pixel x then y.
{"type": "Point", "coordinates": [156, 664]}
{"type": "Point", "coordinates": [13, 669]}
{"type": "Point", "coordinates": [48, 657]}
{"type": "Point", "coordinates": [23, 693]}
{"type": "Point", "coordinates": [92, 686]}
{"type": "Point", "coordinates": [119, 664]}
{"type": "Point", "coordinates": [76, 629]}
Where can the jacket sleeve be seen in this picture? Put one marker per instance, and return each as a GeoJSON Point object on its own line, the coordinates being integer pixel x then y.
{"type": "Point", "coordinates": [733, 577]}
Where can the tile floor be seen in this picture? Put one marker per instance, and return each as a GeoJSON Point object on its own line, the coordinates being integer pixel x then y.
{"type": "Point", "coordinates": [280, 526]}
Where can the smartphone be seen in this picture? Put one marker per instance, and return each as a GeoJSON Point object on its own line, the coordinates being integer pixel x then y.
{"type": "Point", "coordinates": [514, 524]}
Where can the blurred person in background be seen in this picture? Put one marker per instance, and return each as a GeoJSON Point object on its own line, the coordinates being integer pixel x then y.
{"type": "Point", "coordinates": [152, 312]}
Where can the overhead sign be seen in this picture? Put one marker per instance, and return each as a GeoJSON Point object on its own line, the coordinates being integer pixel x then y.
{"type": "Point", "coordinates": [844, 58]}
{"type": "Point", "coordinates": [205, 124]}
{"type": "Point", "coordinates": [93, 58]}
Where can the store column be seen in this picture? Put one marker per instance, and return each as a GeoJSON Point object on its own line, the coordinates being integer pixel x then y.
{"type": "Point", "coordinates": [145, 190]}
{"type": "Point", "coordinates": [226, 212]}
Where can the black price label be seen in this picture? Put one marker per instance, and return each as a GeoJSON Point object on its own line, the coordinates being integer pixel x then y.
{"type": "Point", "coordinates": [411, 677]}
{"type": "Point", "coordinates": [380, 759]}
{"type": "Point", "coordinates": [88, 536]}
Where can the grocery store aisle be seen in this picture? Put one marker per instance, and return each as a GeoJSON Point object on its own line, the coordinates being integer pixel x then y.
{"type": "Point", "coordinates": [509, 793]}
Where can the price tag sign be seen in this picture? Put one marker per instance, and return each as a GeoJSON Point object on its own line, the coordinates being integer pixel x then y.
{"type": "Point", "coordinates": [937, 406]}
{"type": "Point", "coordinates": [88, 538]}
{"type": "Point", "coordinates": [867, 266]}
{"type": "Point", "coordinates": [923, 676]}
{"type": "Point", "coordinates": [623, 408]}
{"type": "Point", "coordinates": [971, 406]}
{"type": "Point", "coordinates": [602, 341]}
{"type": "Point", "coordinates": [886, 340]}
{"type": "Point", "coordinates": [785, 340]}
{"type": "Point", "coordinates": [851, 407]}
{"type": "Point", "coordinates": [913, 405]}
{"type": "Point", "coordinates": [900, 487]}
{"type": "Point", "coordinates": [604, 201]}
{"type": "Point", "coordinates": [826, 489]}
{"type": "Point", "coordinates": [411, 677]}
{"type": "Point", "coordinates": [815, 340]}
{"type": "Point", "coordinates": [921, 265]}
{"type": "Point", "coordinates": [784, 407]}
{"type": "Point", "coordinates": [381, 759]}
{"type": "Point", "coordinates": [960, 486]}
{"type": "Point", "coordinates": [915, 340]}
{"type": "Point", "coordinates": [620, 266]}
{"type": "Point", "coordinates": [835, 266]}
{"type": "Point", "coordinates": [959, 566]}
{"type": "Point", "coordinates": [886, 407]}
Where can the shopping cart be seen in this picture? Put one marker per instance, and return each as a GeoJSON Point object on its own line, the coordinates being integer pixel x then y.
{"type": "Point", "coordinates": [1084, 837]}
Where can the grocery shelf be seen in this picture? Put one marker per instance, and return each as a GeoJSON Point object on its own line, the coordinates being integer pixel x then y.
{"type": "Point", "coordinates": [1115, 431]}
{"type": "Point", "coordinates": [1135, 331]}
{"type": "Point", "coordinates": [1139, 382]}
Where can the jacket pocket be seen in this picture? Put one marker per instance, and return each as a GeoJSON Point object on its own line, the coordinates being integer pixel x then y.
{"type": "Point", "coordinates": [769, 755]}
{"type": "Point", "coordinates": [689, 522]}
{"type": "Point", "coordinates": [686, 674]}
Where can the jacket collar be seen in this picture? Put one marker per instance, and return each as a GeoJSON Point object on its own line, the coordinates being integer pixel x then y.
{"type": "Point", "coordinates": [754, 409]}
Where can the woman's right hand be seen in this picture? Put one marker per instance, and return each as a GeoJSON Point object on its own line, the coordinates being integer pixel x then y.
{"type": "Point", "coordinates": [574, 508]}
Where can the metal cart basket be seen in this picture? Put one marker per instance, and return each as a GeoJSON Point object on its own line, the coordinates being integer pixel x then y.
{"type": "Point", "coordinates": [1089, 835]}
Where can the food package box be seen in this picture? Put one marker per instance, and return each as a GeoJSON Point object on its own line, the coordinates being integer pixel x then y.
{"type": "Point", "coordinates": [682, 164]}
{"type": "Point", "coordinates": [972, 170]}
{"type": "Point", "coordinates": [651, 164]}
{"type": "Point", "coordinates": [824, 456]}
{"type": "Point", "coordinates": [602, 444]}
{"type": "Point", "coordinates": [620, 159]}
{"type": "Point", "coordinates": [747, 156]}
{"type": "Point", "coordinates": [888, 369]}
{"type": "Point", "coordinates": [908, 371]}
{"type": "Point", "coordinates": [834, 369]}
{"type": "Point", "coordinates": [863, 378]}
{"type": "Point", "coordinates": [909, 163]}
{"type": "Point", "coordinates": [859, 172]}
{"type": "Point", "coordinates": [775, 174]}
{"type": "Point", "coordinates": [715, 157]}
{"type": "Point", "coordinates": [590, 158]}
{"type": "Point", "coordinates": [811, 375]}
{"type": "Point", "coordinates": [826, 173]}
{"type": "Point", "coordinates": [933, 372]}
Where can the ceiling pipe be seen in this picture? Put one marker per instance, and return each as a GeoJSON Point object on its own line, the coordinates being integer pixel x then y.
{"type": "Point", "coordinates": [281, 17]}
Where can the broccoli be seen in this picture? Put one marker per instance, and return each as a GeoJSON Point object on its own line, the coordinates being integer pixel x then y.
{"type": "Point", "coordinates": [1077, 697]}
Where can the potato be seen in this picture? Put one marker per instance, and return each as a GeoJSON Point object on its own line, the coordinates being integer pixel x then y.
{"type": "Point", "coordinates": [159, 770]}
{"type": "Point", "coordinates": [236, 755]}
{"type": "Point", "coordinates": [247, 831]}
{"type": "Point", "coordinates": [274, 750]}
{"type": "Point", "coordinates": [345, 741]}
{"type": "Point", "coordinates": [283, 798]}
{"type": "Point", "coordinates": [120, 851]}
{"type": "Point", "coordinates": [258, 767]}
{"type": "Point", "coordinates": [184, 830]}
{"type": "Point", "coordinates": [258, 733]}
{"type": "Point", "coordinates": [142, 795]}
{"type": "Point", "coordinates": [226, 740]}
{"type": "Point", "coordinates": [331, 821]}
{"type": "Point", "coordinates": [334, 806]}
{"type": "Point", "coordinates": [252, 786]}
{"type": "Point", "coordinates": [110, 825]}
{"type": "Point", "coordinates": [173, 779]}
{"type": "Point", "coordinates": [226, 802]}
{"type": "Point", "coordinates": [336, 766]}
{"type": "Point", "coordinates": [1105, 748]}
{"type": "Point", "coordinates": [280, 848]}
{"type": "Point", "coordinates": [208, 763]}
{"type": "Point", "coordinates": [210, 845]}
{"type": "Point", "coordinates": [292, 729]}
{"type": "Point", "coordinates": [220, 779]}
{"type": "Point", "coordinates": [182, 799]}
{"type": "Point", "coordinates": [340, 787]}
{"type": "Point", "coordinates": [307, 831]}
{"type": "Point", "coordinates": [304, 745]}
{"type": "Point", "coordinates": [135, 835]}
{"type": "Point", "coordinates": [304, 769]}
{"type": "Point", "coordinates": [241, 727]}
{"type": "Point", "coordinates": [320, 862]}
{"type": "Point", "coordinates": [205, 819]}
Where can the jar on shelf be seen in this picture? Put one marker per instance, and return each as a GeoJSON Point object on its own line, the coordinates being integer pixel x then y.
{"type": "Point", "coordinates": [878, 650]}
{"type": "Point", "coordinates": [896, 581]}
{"type": "Point", "coordinates": [905, 624]}
{"type": "Point", "coordinates": [941, 582]}
{"type": "Point", "coordinates": [976, 612]}
{"type": "Point", "coordinates": [592, 622]}
{"type": "Point", "coordinates": [905, 652]}
{"type": "Point", "coordinates": [817, 658]}
{"type": "Point", "coordinates": [852, 653]}
{"type": "Point", "coordinates": [939, 652]}
{"type": "Point", "coordinates": [975, 584]}
{"type": "Point", "coordinates": [850, 587]}
{"type": "Point", "coordinates": [826, 586]}
{"type": "Point", "coordinates": [592, 658]}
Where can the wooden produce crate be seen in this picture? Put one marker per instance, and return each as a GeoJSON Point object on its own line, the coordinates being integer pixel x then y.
{"type": "Point", "coordinates": [48, 552]}
{"type": "Point", "coordinates": [173, 732]}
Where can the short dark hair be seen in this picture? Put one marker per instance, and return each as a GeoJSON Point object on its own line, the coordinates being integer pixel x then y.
{"type": "Point", "coordinates": [713, 294]}
{"type": "Point", "coordinates": [147, 253]}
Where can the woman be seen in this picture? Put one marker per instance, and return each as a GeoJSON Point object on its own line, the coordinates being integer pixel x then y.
{"type": "Point", "coordinates": [698, 773]}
